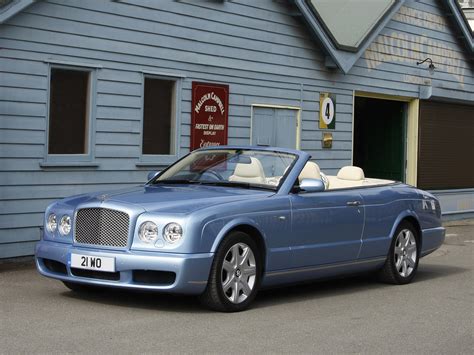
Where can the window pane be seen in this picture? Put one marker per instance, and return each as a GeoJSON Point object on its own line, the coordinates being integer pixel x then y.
{"type": "Point", "coordinates": [68, 111]}
{"type": "Point", "coordinates": [158, 120]}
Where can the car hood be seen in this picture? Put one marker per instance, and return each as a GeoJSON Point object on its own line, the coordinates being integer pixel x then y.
{"type": "Point", "coordinates": [171, 198]}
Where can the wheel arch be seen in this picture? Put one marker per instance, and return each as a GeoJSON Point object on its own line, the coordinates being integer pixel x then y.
{"type": "Point", "coordinates": [248, 227]}
{"type": "Point", "coordinates": [412, 218]}
{"type": "Point", "coordinates": [414, 222]}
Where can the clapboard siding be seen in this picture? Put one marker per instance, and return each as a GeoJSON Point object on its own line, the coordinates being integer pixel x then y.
{"type": "Point", "coordinates": [69, 177]}
{"type": "Point", "coordinates": [203, 20]}
{"type": "Point", "coordinates": [11, 250]}
{"type": "Point", "coordinates": [19, 235]}
{"type": "Point", "coordinates": [21, 150]}
{"type": "Point", "coordinates": [159, 35]}
{"type": "Point", "coordinates": [265, 55]}
{"type": "Point", "coordinates": [26, 80]}
{"type": "Point", "coordinates": [22, 108]}
{"type": "Point", "coordinates": [23, 206]}
{"type": "Point", "coordinates": [23, 136]}
{"type": "Point", "coordinates": [20, 95]}
{"type": "Point", "coordinates": [52, 191]}
{"type": "Point", "coordinates": [20, 122]}
{"type": "Point", "coordinates": [419, 31]}
{"type": "Point", "coordinates": [130, 62]}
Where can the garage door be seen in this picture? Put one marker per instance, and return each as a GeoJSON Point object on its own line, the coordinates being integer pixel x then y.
{"type": "Point", "coordinates": [446, 146]}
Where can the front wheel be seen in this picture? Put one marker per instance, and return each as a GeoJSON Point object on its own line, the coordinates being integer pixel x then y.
{"type": "Point", "coordinates": [235, 274]}
{"type": "Point", "coordinates": [402, 261]}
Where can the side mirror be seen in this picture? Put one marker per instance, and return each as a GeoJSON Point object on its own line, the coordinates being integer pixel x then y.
{"type": "Point", "coordinates": [152, 174]}
{"type": "Point", "coordinates": [312, 185]}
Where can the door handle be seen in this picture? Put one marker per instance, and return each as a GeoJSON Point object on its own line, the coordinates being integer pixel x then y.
{"type": "Point", "coordinates": [353, 203]}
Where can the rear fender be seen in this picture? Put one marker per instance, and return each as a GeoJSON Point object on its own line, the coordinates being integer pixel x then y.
{"type": "Point", "coordinates": [404, 214]}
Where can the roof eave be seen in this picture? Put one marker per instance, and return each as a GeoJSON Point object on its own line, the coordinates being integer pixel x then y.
{"type": "Point", "coordinates": [14, 8]}
{"type": "Point", "coordinates": [343, 59]}
{"type": "Point", "coordinates": [460, 19]}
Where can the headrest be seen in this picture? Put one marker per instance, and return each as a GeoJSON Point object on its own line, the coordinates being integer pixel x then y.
{"type": "Point", "coordinates": [251, 170]}
{"type": "Point", "coordinates": [353, 173]}
{"type": "Point", "coordinates": [310, 171]}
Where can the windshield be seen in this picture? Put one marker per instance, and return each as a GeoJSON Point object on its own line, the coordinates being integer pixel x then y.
{"type": "Point", "coordinates": [230, 167]}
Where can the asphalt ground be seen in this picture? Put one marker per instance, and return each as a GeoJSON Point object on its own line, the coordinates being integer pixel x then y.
{"type": "Point", "coordinates": [434, 314]}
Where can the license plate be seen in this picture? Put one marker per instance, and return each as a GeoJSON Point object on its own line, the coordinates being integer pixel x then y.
{"type": "Point", "coordinates": [89, 262]}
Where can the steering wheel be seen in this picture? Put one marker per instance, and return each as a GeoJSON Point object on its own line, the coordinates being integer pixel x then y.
{"type": "Point", "coordinates": [212, 175]}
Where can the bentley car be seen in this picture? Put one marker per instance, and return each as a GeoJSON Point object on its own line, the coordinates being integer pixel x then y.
{"type": "Point", "coordinates": [223, 222]}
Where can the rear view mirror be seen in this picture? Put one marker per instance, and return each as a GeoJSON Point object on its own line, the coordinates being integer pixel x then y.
{"type": "Point", "coordinates": [152, 174]}
{"type": "Point", "coordinates": [312, 185]}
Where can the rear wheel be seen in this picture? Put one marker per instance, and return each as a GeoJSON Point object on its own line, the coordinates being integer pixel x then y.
{"type": "Point", "coordinates": [402, 261]}
{"type": "Point", "coordinates": [235, 274]}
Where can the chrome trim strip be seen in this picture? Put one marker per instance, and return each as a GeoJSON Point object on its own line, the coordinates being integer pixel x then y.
{"type": "Point", "coordinates": [197, 282]}
{"type": "Point", "coordinates": [308, 269]}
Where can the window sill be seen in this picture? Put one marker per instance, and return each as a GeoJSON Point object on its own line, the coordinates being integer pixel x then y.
{"type": "Point", "coordinates": [78, 165]}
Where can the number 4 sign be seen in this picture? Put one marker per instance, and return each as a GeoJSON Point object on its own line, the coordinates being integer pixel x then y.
{"type": "Point", "coordinates": [327, 111]}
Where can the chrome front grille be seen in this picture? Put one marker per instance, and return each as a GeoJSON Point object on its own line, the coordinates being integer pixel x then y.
{"type": "Point", "coordinates": [102, 226]}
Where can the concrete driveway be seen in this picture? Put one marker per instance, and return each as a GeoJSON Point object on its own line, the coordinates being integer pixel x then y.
{"type": "Point", "coordinates": [434, 314]}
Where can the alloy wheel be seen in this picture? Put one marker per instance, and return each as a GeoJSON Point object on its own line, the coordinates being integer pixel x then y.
{"type": "Point", "coordinates": [238, 274]}
{"type": "Point", "coordinates": [405, 253]}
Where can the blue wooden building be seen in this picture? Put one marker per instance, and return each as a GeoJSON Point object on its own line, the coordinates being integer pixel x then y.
{"type": "Point", "coordinates": [96, 93]}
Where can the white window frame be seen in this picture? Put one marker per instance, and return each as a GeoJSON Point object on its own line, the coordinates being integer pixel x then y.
{"type": "Point", "coordinates": [163, 159]}
{"type": "Point", "coordinates": [74, 160]}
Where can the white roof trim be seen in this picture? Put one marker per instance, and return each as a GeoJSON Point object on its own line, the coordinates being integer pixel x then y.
{"type": "Point", "coordinates": [344, 59]}
{"type": "Point", "coordinates": [12, 9]}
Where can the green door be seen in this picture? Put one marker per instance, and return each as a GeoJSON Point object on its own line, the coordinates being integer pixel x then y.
{"type": "Point", "coordinates": [379, 138]}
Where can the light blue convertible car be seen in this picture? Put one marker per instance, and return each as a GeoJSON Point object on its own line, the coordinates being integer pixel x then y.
{"type": "Point", "coordinates": [223, 222]}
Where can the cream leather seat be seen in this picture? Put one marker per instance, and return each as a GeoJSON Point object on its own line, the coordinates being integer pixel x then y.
{"type": "Point", "coordinates": [310, 171]}
{"type": "Point", "coordinates": [351, 173]}
{"type": "Point", "coordinates": [348, 176]}
{"type": "Point", "coordinates": [251, 173]}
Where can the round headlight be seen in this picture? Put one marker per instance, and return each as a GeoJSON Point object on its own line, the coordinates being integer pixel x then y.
{"type": "Point", "coordinates": [52, 223]}
{"type": "Point", "coordinates": [148, 232]}
{"type": "Point", "coordinates": [173, 232]}
{"type": "Point", "coordinates": [65, 225]}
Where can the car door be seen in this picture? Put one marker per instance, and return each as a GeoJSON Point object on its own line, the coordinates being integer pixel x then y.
{"type": "Point", "coordinates": [326, 227]}
{"type": "Point", "coordinates": [382, 207]}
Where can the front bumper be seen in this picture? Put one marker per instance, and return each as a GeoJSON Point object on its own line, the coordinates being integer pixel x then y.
{"type": "Point", "coordinates": [191, 270]}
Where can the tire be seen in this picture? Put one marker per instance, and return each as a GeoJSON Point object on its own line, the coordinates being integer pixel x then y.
{"type": "Point", "coordinates": [235, 274]}
{"type": "Point", "coordinates": [80, 288]}
{"type": "Point", "coordinates": [403, 257]}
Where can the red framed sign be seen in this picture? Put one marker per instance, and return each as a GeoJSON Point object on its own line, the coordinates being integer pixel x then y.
{"type": "Point", "coordinates": [209, 115]}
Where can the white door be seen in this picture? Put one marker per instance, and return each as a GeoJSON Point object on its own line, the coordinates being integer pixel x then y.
{"type": "Point", "coordinates": [276, 127]}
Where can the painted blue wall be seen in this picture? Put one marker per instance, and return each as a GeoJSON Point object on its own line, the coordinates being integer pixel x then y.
{"type": "Point", "coordinates": [264, 52]}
